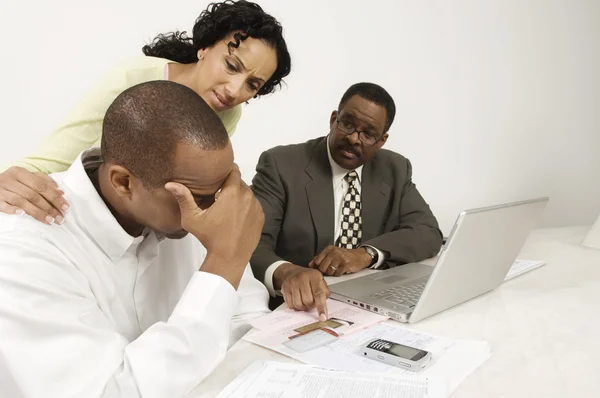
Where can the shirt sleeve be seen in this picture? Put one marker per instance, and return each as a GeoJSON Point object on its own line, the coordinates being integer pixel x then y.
{"type": "Point", "coordinates": [380, 258]}
{"type": "Point", "coordinates": [56, 341]}
{"type": "Point", "coordinates": [253, 301]}
{"type": "Point", "coordinates": [269, 278]}
{"type": "Point", "coordinates": [79, 130]}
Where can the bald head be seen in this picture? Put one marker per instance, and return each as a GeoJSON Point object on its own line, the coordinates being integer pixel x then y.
{"type": "Point", "coordinates": [144, 125]}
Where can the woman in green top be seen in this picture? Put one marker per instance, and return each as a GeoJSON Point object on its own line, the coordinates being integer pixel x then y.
{"type": "Point", "coordinates": [236, 52]}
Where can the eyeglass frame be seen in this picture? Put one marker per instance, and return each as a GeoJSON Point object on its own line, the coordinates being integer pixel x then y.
{"type": "Point", "coordinates": [360, 133]}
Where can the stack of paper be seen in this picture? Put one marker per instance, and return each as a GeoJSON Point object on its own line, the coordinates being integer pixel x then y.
{"type": "Point", "coordinates": [520, 267]}
{"type": "Point", "coordinates": [452, 360]}
{"type": "Point", "coordinates": [285, 380]}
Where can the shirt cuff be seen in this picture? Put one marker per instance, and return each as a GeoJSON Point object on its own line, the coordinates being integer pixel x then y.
{"type": "Point", "coordinates": [269, 278]}
{"type": "Point", "coordinates": [380, 257]}
{"type": "Point", "coordinates": [207, 297]}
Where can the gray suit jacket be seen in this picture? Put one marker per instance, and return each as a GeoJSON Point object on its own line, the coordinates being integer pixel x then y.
{"type": "Point", "coordinates": [293, 184]}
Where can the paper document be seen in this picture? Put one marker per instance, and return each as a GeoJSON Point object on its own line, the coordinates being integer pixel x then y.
{"type": "Point", "coordinates": [285, 380]}
{"type": "Point", "coordinates": [343, 354]}
{"type": "Point", "coordinates": [343, 318]}
{"type": "Point", "coordinates": [520, 267]}
{"type": "Point", "coordinates": [452, 360]}
{"type": "Point", "coordinates": [299, 331]}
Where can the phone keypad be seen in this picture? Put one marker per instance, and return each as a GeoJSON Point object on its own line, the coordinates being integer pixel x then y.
{"type": "Point", "coordinates": [380, 345]}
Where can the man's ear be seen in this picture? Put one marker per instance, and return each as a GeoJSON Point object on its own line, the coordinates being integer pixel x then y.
{"type": "Point", "coordinates": [332, 118]}
{"type": "Point", "coordinates": [382, 140]}
{"type": "Point", "coordinates": [121, 180]}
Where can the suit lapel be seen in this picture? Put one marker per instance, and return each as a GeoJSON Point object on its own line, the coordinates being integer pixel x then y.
{"type": "Point", "coordinates": [319, 192]}
{"type": "Point", "coordinates": [375, 197]}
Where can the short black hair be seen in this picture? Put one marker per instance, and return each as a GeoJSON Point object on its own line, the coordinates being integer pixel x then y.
{"type": "Point", "coordinates": [144, 124]}
{"type": "Point", "coordinates": [217, 22]}
{"type": "Point", "coordinates": [374, 93]}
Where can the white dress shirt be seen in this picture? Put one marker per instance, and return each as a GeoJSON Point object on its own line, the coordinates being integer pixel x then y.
{"type": "Point", "coordinates": [87, 310]}
{"type": "Point", "coordinates": [340, 187]}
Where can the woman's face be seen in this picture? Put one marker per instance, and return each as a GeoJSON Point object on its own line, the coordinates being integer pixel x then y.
{"type": "Point", "coordinates": [227, 76]}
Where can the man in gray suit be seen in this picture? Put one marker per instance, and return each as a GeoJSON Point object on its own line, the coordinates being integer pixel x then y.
{"type": "Point", "coordinates": [339, 204]}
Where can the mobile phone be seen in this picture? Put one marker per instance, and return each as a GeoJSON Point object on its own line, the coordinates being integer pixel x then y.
{"type": "Point", "coordinates": [395, 354]}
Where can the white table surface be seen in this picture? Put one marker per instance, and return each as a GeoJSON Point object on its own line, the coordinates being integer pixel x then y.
{"type": "Point", "coordinates": [543, 328]}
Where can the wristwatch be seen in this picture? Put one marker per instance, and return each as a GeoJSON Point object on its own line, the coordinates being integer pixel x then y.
{"type": "Point", "coordinates": [373, 253]}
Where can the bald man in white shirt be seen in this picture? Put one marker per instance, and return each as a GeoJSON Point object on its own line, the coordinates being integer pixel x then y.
{"type": "Point", "coordinates": [143, 287]}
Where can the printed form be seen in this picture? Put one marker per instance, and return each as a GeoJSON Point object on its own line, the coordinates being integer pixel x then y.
{"type": "Point", "coordinates": [285, 380]}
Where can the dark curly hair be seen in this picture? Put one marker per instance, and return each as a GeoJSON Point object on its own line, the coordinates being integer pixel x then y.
{"type": "Point", "coordinates": [217, 22]}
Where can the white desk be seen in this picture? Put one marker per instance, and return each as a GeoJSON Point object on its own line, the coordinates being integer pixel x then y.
{"type": "Point", "coordinates": [543, 328]}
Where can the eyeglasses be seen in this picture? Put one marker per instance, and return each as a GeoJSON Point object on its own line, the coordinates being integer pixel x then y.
{"type": "Point", "coordinates": [348, 128]}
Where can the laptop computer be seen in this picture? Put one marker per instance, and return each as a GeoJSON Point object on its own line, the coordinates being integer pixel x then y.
{"type": "Point", "coordinates": [477, 256]}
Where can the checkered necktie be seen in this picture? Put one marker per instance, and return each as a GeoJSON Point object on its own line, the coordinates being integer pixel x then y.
{"type": "Point", "coordinates": [351, 234]}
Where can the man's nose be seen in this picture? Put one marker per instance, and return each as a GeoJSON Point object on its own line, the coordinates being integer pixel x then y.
{"type": "Point", "coordinates": [354, 138]}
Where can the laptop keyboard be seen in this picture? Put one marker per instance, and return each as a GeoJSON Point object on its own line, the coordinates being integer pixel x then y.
{"type": "Point", "coordinates": [403, 295]}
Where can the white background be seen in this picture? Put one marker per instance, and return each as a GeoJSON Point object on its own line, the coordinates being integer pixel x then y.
{"type": "Point", "coordinates": [497, 100]}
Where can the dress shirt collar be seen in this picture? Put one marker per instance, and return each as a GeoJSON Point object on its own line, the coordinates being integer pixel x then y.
{"type": "Point", "coordinates": [91, 211]}
{"type": "Point", "coordinates": [337, 171]}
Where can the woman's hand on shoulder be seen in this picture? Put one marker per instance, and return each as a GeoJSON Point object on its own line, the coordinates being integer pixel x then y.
{"type": "Point", "coordinates": [36, 194]}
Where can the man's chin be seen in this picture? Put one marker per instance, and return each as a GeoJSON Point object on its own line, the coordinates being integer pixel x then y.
{"type": "Point", "coordinates": [177, 235]}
